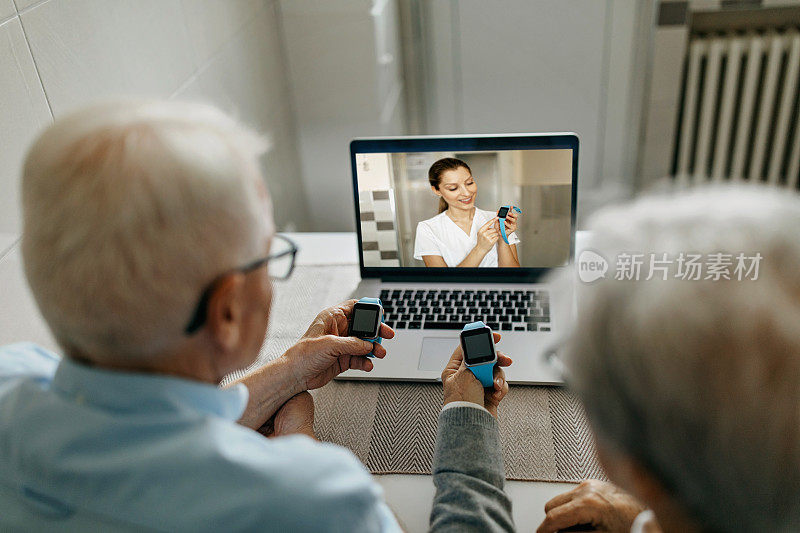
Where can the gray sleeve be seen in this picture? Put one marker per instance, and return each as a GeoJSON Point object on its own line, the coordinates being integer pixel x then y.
{"type": "Point", "coordinates": [468, 474]}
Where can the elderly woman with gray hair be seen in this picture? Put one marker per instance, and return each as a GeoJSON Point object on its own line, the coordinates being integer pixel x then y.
{"type": "Point", "coordinates": [692, 386]}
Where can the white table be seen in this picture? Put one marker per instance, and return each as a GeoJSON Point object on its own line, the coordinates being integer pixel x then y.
{"type": "Point", "coordinates": [409, 496]}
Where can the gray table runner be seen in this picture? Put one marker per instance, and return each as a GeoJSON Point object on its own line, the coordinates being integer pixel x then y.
{"type": "Point", "coordinates": [391, 426]}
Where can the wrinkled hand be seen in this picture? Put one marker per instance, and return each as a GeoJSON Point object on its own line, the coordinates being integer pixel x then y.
{"type": "Point", "coordinates": [488, 235]}
{"type": "Point", "coordinates": [601, 505]}
{"type": "Point", "coordinates": [511, 221]}
{"type": "Point", "coordinates": [460, 384]}
{"type": "Point", "coordinates": [296, 416]}
{"type": "Point", "coordinates": [325, 350]}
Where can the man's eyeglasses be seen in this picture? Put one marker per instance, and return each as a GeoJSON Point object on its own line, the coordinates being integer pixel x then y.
{"type": "Point", "coordinates": [280, 264]}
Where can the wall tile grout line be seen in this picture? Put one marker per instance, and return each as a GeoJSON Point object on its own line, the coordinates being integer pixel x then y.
{"type": "Point", "coordinates": [202, 68]}
{"type": "Point", "coordinates": [7, 20]}
{"type": "Point", "coordinates": [30, 7]}
{"type": "Point", "coordinates": [8, 250]}
{"type": "Point", "coordinates": [33, 58]}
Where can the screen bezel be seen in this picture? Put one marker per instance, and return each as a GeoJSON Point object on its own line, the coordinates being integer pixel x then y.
{"type": "Point", "coordinates": [503, 210]}
{"type": "Point", "coordinates": [485, 330]}
{"type": "Point", "coordinates": [465, 143]}
{"type": "Point", "coordinates": [366, 306]}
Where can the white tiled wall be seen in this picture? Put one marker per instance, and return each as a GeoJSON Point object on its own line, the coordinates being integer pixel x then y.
{"type": "Point", "coordinates": [246, 76]}
{"type": "Point", "coordinates": [59, 54]}
{"type": "Point", "coordinates": [7, 9]}
{"type": "Point", "coordinates": [23, 112]}
{"type": "Point", "coordinates": [212, 23]}
{"type": "Point", "coordinates": [90, 49]}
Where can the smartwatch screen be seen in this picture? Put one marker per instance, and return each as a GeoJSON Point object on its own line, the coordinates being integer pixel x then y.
{"type": "Point", "coordinates": [503, 212]}
{"type": "Point", "coordinates": [365, 320]}
{"type": "Point", "coordinates": [477, 346]}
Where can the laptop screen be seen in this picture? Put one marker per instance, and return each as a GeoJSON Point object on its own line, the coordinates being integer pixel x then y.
{"type": "Point", "coordinates": [465, 203]}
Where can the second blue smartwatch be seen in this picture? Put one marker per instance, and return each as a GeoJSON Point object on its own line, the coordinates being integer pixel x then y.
{"type": "Point", "coordinates": [367, 319]}
{"type": "Point", "coordinates": [502, 213]}
{"type": "Point", "coordinates": [477, 343]}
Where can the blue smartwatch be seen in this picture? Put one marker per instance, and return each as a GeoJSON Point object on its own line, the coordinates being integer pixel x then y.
{"type": "Point", "coordinates": [367, 319]}
{"type": "Point", "coordinates": [477, 343]}
{"type": "Point", "coordinates": [502, 213]}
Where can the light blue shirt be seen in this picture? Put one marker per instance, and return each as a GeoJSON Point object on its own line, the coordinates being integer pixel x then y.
{"type": "Point", "coordinates": [83, 448]}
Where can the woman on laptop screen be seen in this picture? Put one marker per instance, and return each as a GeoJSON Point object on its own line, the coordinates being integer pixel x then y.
{"type": "Point", "coordinates": [462, 235]}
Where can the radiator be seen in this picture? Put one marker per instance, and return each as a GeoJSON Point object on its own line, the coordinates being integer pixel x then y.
{"type": "Point", "coordinates": [738, 116]}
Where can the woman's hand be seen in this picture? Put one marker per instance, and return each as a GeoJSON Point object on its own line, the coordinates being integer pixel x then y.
{"type": "Point", "coordinates": [488, 235]}
{"type": "Point", "coordinates": [511, 221]}
{"type": "Point", "coordinates": [460, 384]}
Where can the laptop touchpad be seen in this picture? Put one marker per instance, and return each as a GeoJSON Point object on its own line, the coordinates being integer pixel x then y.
{"type": "Point", "coordinates": [436, 351]}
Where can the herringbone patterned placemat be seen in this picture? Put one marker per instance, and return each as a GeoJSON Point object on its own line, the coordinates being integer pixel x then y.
{"type": "Point", "coordinates": [391, 427]}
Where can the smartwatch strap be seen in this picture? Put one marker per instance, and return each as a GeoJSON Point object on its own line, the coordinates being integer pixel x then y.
{"type": "Point", "coordinates": [503, 222]}
{"type": "Point", "coordinates": [373, 301]}
{"type": "Point", "coordinates": [484, 372]}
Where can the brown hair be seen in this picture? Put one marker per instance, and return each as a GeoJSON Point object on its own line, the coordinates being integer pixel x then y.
{"type": "Point", "coordinates": [440, 167]}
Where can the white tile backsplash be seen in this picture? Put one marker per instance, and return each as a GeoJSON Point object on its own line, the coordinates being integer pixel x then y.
{"type": "Point", "coordinates": [387, 240]}
{"type": "Point", "coordinates": [25, 4]}
{"type": "Point", "coordinates": [385, 215]}
{"type": "Point", "coordinates": [7, 240]}
{"type": "Point", "coordinates": [384, 207]}
{"type": "Point", "coordinates": [227, 52]}
{"type": "Point", "coordinates": [245, 77]}
{"type": "Point", "coordinates": [212, 23]}
{"type": "Point", "coordinates": [369, 230]}
{"type": "Point", "coordinates": [7, 9]}
{"type": "Point", "coordinates": [23, 112]}
{"type": "Point", "coordinates": [372, 258]}
{"type": "Point", "coordinates": [93, 49]}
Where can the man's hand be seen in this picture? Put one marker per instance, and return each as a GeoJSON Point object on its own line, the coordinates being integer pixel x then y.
{"type": "Point", "coordinates": [460, 384]}
{"type": "Point", "coordinates": [296, 416]}
{"type": "Point", "coordinates": [325, 351]}
{"type": "Point", "coordinates": [602, 506]}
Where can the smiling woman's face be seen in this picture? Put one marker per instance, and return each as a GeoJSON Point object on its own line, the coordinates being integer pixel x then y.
{"type": "Point", "coordinates": [458, 188]}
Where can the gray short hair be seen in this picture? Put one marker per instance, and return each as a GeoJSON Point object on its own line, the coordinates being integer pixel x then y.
{"type": "Point", "coordinates": [130, 209]}
{"type": "Point", "coordinates": [700, 380]}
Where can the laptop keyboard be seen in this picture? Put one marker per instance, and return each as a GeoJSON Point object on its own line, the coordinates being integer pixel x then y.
{"type": "Point", "coordinates": [510, 310]}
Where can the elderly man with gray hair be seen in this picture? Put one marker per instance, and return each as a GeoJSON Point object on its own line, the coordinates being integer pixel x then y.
{"type": "Point", "coordinates": [149, 246]}
{"type": "Point", "coordinates": [691, 379]}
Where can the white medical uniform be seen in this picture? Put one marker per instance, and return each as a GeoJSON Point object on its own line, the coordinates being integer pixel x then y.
{"type": "Point", "coordinates": [441, 236]}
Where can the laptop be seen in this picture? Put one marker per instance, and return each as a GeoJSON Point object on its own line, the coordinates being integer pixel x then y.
{"type": "Point", "coordinates": [419, 252]}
